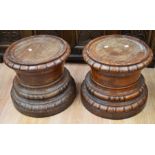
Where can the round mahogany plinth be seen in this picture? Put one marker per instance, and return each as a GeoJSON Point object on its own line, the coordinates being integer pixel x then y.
{"type": "Point", "coordinates": [115, 87]}
{"type": "Point", "coordinates": [42, 85]}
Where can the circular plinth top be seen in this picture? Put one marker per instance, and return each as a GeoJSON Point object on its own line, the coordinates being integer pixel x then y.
{"type": "Point", "coordinates": [117, 53]}
{"type": "Point", "coordinates": [34, 51]}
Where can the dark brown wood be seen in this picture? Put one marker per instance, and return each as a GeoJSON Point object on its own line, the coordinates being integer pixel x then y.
{"type": "Point", "coordinates": [42, 86]}
{"type": "Point", "coordinates": [115, 87]}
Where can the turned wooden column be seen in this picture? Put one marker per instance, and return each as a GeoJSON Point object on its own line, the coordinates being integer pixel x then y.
{"type": "Point", "coordinates": [42, 85]}
{"type": "Point", "coordinates": [115, 87]}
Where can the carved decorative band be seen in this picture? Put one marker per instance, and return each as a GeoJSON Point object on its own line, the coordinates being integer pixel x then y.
{"type": "Point", "coordinates": [114, 109]}
{"type": "Point", "coordinates": [114, 68]}
{"type": "Point", "coordinates": [114, 98]}
{"type": "Point", "coordinates": [92, 88]}
{"type": "Point", "coordinates": [37, 67]}
{"type": "Point", "coordinates": [107, 68]}
{"type": "Point", "coordinates": [47, 107]}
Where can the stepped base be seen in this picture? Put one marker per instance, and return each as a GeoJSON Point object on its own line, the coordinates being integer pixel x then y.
{"type": "Point", "coordinates": [112, 103]}
{"type": "Point", "coordinates": [43, 101]}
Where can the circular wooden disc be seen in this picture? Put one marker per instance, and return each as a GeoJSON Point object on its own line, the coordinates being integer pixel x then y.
{"type": "Point", "coordinates": [36, 50]}
{"type": "Point", "coordinates": [117, 50]}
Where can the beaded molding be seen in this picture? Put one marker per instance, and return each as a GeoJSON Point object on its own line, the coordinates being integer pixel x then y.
{"type": "Point", "coordinates": [110, 68]}
{"type": "Point", "coordinates": [39, 67]}
{"type": "Point", "coordinates": [113, 98]}
{"type": "Point", "coordinates": [50, 106]}
{"type": "Point", "coordinates": [113, 109]}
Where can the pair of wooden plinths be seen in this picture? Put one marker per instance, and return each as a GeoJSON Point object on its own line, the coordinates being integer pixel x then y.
{"type": "Point", "coordinates": [114, 88]}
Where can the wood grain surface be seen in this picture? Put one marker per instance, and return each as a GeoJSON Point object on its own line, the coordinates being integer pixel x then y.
{"type": "Point", "coordinates": [118, 50]}
{"type": "Point", "coordinates": [36, 49]}
{"type": "Point", "coordinates": [76, 113]}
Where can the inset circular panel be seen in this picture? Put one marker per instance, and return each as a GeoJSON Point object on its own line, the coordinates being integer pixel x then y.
{"type": "Point", "coordinates": [37, 50]}
{"type": "Point", "coordinates": [117, 50]}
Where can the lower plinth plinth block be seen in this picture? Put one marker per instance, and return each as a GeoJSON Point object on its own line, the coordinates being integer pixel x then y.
{"type": "Point", "coordinates": [124, 104]}
{"type": "Point", "coordinates": [45, 100]}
